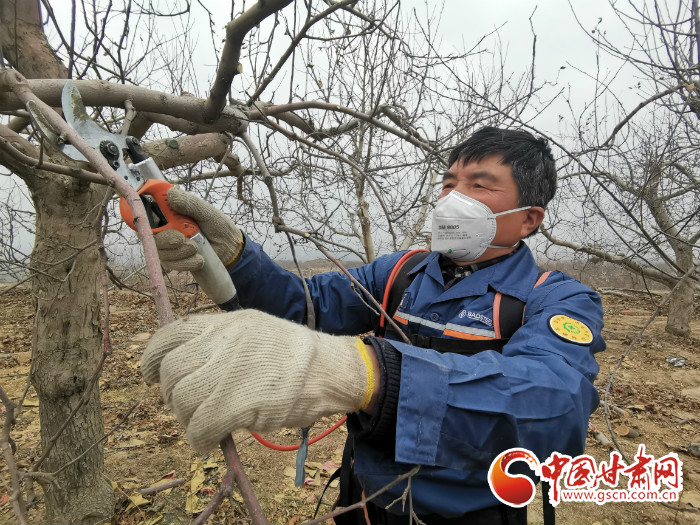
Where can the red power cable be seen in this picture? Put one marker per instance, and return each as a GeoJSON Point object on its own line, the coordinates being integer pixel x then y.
{"type": "Point", "coordinates": [283, 448]}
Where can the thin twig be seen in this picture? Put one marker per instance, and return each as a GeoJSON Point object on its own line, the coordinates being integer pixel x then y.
{"type": "Point", "coordinates": [261, 113]}
{"type": "Point", "coordinates": [293, 46]}
{"type": "Point", "coordinates": [360, 504]}
{"type": "Point", "coordinates": [224, 491]}
{"type": "Point", "coordinates": [149, 491]}
{"type": "Point", "coordinates": [277, 221]}
{"type": "Point", "coordinates": [100, 231]}
{"type": "Point", "coordinates": [129, 117]}
{"type": "Point", "coordinates": [71, 171]}
{"type": "Point", "coordinates": [342, 268]}
{"type": "Point", "coordinates": [220, 165]}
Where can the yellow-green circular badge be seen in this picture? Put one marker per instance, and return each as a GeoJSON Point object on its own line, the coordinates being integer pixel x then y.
{"type": "Point", "coordinates": [570, 329]}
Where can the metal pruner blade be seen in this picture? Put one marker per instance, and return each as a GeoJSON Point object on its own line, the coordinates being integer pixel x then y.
{"type": "Point", "coordinates": [111, 146]}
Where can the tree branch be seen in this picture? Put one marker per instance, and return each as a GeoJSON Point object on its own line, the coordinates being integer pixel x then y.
{"type": "Point", "coordinates": [32, 162]}
{"type": "Point", "coordinates": [269, 111]}
{"type": "Point", "coordinates": [102, 93]}
{"type": "Point", "coordinates": [293, 44]}
{"type": "Point", "coordinates": [639, 107]}
{"type": "Point", "coordinates": [616, 259]}
{"type": "Point", "coordinates": [360, 504]}
{"type": "Point", "coordinates": [229, 65]}
{"type": "Point", "coordinates": [171, 152]}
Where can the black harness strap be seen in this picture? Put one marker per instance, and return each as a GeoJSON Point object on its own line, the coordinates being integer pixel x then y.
{"type": "Point", "coordinates": [456, 346]}
{"type": "Point", "coordinates": [399, 285]}
{"type": "Point", "coordinates": [510, 315]}
{"type": "Point", "coordinates": [547, 507]}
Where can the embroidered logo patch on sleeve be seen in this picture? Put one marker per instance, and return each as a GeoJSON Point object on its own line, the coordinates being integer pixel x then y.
{"type": "Point", "coordinates": [570, 329]}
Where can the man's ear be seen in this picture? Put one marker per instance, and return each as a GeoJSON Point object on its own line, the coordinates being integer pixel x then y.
{"type": "Point", "coordinates": [533, 218]}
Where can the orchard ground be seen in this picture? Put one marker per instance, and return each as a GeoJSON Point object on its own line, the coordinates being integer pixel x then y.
{"type": "Point", "coordinates": [654, 398]}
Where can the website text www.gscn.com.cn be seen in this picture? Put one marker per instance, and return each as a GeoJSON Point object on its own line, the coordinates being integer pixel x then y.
{"type": "Point", "coordinates": [617, 495]}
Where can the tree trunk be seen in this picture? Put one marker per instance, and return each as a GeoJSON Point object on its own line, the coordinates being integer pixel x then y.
{"type": "Point", "coordinates": [67, 347]}
{"type": "Point", "coordinates": [680, 309]}
{"type": "Point", "coordinates": [362, 204]}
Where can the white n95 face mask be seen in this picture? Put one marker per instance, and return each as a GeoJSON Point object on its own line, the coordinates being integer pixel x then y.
{"type": "Point", "coordinates": [463, 228]}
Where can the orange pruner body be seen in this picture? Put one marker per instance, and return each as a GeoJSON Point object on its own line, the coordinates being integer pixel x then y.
{"type": "Point", "coordinates": [154, 194]}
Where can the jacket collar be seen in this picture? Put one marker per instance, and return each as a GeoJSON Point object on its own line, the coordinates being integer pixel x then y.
{"type": "Point", "coordinates": [515, 276]}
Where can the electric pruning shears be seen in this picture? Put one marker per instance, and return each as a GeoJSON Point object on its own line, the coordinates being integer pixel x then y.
{"type": "Point", "coordinates": [146, 178]}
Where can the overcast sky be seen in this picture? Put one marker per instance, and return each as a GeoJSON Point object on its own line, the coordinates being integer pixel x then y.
{"type": "Point", "coordinates": [565, 51]}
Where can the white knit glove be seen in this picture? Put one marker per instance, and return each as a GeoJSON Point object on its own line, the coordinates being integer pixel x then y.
{"type": "Point", "coordinates": [177, 252]}
{"type": "Point", "coordinates": [248, 369]}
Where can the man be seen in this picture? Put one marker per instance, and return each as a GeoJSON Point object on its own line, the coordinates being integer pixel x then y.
{"type": "Point", "coordinates": [451, 412]}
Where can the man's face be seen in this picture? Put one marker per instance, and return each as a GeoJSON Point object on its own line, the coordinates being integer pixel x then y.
{"type": "Point", "coordinates": [491, 183]}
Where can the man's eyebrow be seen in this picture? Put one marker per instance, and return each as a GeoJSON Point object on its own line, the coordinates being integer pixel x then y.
{"type": "Point", "coordinates": [483, 175]}
{"type": "Point", "coordinates": [477, 175]}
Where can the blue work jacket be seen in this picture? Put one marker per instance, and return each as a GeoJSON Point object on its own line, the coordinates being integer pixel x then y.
{"type": "Point", "coordinates": [455, 413]}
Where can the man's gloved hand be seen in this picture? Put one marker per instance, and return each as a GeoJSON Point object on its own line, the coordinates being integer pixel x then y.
{"type": "Point", "coordinates": [248, 369]}
{"type": "Point", "coordinates": [177, 252]}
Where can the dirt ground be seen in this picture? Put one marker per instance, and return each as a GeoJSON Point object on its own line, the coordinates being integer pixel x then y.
{"type": "Point", "coordinates": [651, 395]}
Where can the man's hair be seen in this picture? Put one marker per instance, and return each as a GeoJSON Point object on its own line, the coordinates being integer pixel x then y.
{"type": "Point", "coordinates": [530, 159]}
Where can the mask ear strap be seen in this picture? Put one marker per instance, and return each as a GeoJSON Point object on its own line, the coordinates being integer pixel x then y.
{"type": "Point", "coordinates": [511, 211]}
{"type": "Point", "coordinates": [503, 213]}
{"type": "Point", "coordinates": [494, 246]}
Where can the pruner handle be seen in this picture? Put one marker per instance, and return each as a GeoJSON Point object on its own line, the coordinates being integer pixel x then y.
{"type": "Point", "coordinates": [154, 195]}
{"type": "Point", "coordinates": [213, 278]}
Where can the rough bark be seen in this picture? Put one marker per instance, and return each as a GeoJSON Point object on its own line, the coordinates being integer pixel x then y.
{"type": "Point", "coordinates": [186, 150]}
{"type": "Point", "coordinates": [680, 308]}
{"type": "Point", "coordinates": [23, 42]}
{"type": "Point", "coordinates": [66, 347]}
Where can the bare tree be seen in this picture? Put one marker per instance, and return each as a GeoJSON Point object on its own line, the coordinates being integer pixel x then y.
{"type": "Point", "coordinates": [631, 188]}
{"type": "Point", "coordinates": [351, 114]}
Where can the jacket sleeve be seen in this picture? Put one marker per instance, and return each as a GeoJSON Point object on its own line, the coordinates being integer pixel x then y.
{"type": "Point", "coordinates": [339, 308]}
{"type": "Point", "coordinates": [459, 411]}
